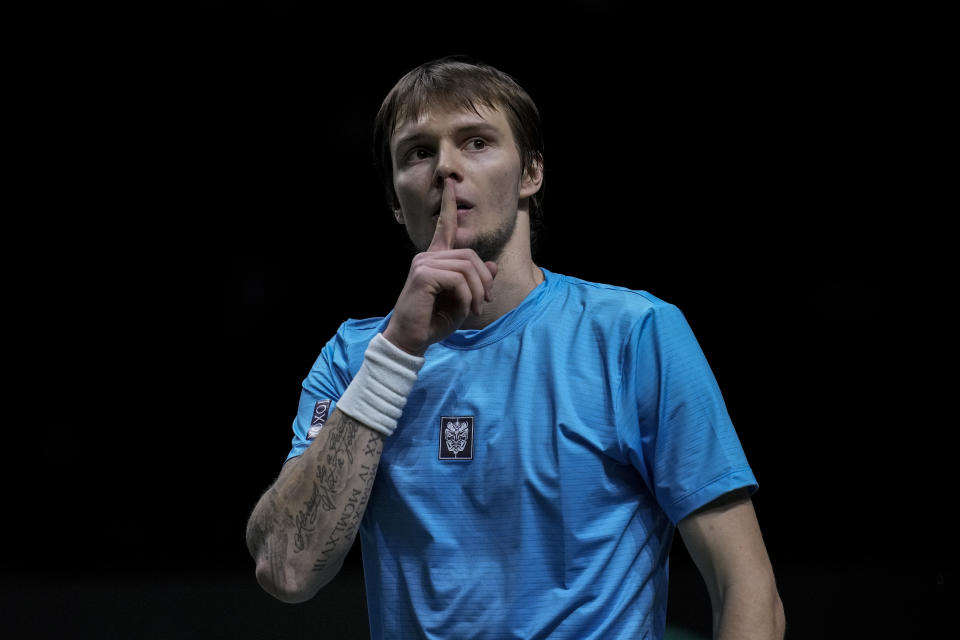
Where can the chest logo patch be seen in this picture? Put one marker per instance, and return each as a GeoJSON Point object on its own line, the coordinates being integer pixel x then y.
{"type": "Point", "coordinates": [456, 438]}
{"type": "Point", "coordinates": [320, 412]}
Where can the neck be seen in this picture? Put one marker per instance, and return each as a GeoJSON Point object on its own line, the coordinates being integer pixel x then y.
{"type": "Point", "coordinates": [517, 276]}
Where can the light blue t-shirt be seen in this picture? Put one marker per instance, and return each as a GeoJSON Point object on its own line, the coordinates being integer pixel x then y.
{"type": "Point", "coordinates": [535, 478]}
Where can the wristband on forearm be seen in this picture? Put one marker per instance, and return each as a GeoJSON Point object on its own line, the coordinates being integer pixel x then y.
{"type": "Point", "coordinates": [379, 391]}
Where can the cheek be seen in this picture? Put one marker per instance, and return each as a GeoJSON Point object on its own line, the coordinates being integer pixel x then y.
{"type": "Point", "coordinates": [401, 185]}
{"type": "Point", "coordinates": [505, 184]}
{"type": "Point", "coordinates": [409, 194]}
{"type": "Point", "coordinates": [411, 187]}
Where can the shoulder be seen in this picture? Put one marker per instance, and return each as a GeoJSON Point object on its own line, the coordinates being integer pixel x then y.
{"type": "Point", "coordinates": [610, 301]}
{"type": "Point", "coordinates": [344, 351]}
{"type": "Point", "coordinates": [361, 330]}
{"type": "Point", "coordinates": [355, 334]}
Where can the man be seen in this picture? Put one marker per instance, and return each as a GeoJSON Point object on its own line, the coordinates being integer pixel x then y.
{"type": "Point", "coordinates": [515, 447]}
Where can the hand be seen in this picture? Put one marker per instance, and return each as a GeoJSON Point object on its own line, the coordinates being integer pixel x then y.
{"type": "Point", "coordinates": [443, 287]}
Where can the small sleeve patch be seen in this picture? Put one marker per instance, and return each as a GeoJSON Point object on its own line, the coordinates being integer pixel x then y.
{"type": "Point", "coordinates": [320, 412]}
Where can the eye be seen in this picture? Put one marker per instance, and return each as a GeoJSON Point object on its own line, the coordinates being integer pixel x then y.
{"type": "Point", "coordinates": [476, 144]}
{"type": "Point", "coordinates": [417, 153]}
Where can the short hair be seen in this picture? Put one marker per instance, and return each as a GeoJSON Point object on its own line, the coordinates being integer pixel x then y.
{"type": "Point", "coordinates": [459, 82]}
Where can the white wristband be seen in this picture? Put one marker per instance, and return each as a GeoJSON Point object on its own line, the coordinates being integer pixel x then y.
{"type": "Point", "coordinates": [379, 391]}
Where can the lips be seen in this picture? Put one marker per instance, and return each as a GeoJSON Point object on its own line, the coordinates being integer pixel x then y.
{"type": "Point", "coordinates": [462, 205]}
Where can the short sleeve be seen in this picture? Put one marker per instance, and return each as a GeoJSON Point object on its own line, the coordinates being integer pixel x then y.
{"type": "Point", "coordinates": [681, 438]}
{"type": "Point", "coordinates": [322, 388]}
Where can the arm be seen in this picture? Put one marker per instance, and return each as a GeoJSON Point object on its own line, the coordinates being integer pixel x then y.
{"type": "Point", "coordinates": [302, 528]}
{"type": "Point", "coordinates": [724, 540]}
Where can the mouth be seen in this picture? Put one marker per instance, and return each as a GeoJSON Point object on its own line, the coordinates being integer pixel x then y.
{"type": "Point", "coordinates": [462, 207]}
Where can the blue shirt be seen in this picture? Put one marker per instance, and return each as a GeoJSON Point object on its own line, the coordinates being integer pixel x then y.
{"type": "Point", "coordinates": [536, 476]}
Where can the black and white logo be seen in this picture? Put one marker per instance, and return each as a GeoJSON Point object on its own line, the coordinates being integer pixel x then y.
{"type": "Point", "coordinates": [456, 438]}
{"type": "Point", "coordinates": [320, 411]}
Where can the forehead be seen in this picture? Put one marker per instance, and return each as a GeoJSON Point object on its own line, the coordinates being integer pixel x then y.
{"type": "Point", "coordinates": [440, 121]}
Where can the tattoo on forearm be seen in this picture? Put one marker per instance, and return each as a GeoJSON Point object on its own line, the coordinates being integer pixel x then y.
{"type": "Point", "coordinates": [350, 517]}
{"type": "Point", "coordinates": [337, 464]}
{"type": "Point", "coordinates": [349, 520]}
{"type": "Point", "coordinates": [306, 520]}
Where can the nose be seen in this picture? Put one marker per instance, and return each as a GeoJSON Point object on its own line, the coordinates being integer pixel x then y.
{"type": "Point", "coordinates": [448, 165]}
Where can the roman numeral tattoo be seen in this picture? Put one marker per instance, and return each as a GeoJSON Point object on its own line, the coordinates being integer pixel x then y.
{"type": "Point", "coordinates": [349, 521]}
{"type": "Point", "coordinates": [336, 473]}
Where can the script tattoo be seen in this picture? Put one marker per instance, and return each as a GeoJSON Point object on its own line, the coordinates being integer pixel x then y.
{"type": "Point", "coordinates": [306, 520]}
{"type": "Point", "coordinates": [337, 464]}
{"type": "Point", "coordinates": [349, 519]}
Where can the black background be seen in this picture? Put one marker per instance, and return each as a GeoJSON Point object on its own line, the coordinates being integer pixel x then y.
{"type": "Point", "coordinates": [194, 213]}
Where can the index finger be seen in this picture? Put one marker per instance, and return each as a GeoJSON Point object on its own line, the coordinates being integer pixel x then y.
{"type": "Point", "coordinates": [446, 231]}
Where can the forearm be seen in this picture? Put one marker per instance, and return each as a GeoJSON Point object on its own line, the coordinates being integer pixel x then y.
{"type": "Point", "coordinates": [747, 612]}
{"type": "Point", "coordinates": [304, 525]}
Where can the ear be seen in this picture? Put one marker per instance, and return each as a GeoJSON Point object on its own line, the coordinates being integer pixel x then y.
{"type": "Point", "coordinates": [532, 179]}
{"type": "Point", "coordinates": [398, 213]}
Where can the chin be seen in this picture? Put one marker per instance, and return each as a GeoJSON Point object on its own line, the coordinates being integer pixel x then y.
{"type": "Point", "coordinates": [489, 249]}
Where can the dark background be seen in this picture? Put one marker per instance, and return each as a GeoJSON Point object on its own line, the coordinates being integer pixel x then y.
{"type": "Point", "coordinates": [195, 212]}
